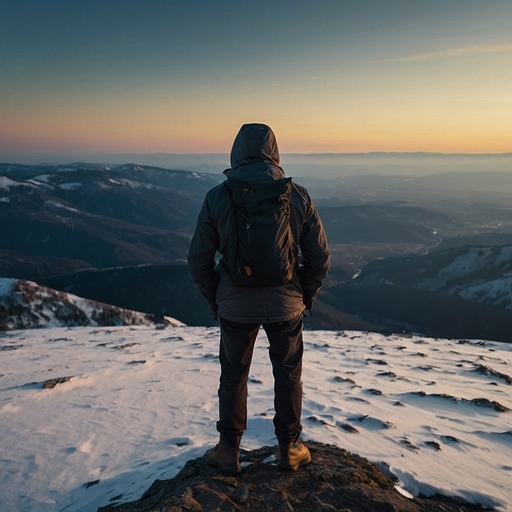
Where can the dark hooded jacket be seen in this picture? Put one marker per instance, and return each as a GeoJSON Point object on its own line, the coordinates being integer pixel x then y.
{"type": "Point", "coordinates": [255, 158]}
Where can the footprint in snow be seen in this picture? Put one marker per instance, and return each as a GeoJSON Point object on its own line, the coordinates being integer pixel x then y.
{"type": "Point", "coordinates": [371, 423]}
{"type": "Point", "coordinates": [347, 428]}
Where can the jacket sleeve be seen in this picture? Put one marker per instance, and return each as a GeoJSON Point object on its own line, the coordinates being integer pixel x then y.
{"type": "Point", "coordinates": [201, 256]}
{"type": "Point", "coordinates": [315, 255]}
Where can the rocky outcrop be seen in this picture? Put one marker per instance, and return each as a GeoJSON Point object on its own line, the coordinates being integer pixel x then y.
{"type": "Point", "coordinates": [28, 305]}
{"type": "Point", "coordinates": [336, 480]}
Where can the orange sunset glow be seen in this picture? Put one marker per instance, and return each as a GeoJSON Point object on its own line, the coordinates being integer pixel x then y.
{"type": "Point", "coordinates": [337, 77]}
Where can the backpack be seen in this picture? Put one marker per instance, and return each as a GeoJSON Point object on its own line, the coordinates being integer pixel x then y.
{"type": "Point", "coordinates": [264, 247]}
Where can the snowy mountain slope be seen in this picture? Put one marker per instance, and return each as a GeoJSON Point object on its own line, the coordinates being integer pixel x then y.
{"type": "Point", "coordinates": [6, 184]}
{"type": "Point", "coordinates": [132, 404]}
{"type": "Point", "coordinates": [478, 274]}
{"type": "Point", "coordinates": [27, 305]}
{"type": "Point", "coordinates": [97, 215]}
{"type": "Point", "coordinates": [482, 274]}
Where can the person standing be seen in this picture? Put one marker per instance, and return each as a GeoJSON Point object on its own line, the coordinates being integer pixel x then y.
{"type": "Point", "coordinates": [243, 308]}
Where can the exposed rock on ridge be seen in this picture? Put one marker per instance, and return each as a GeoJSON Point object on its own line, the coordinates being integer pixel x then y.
{"type": "Point", "coordinates": [27, 305]}
{"type": "Point", "coordinates": [336, 480]}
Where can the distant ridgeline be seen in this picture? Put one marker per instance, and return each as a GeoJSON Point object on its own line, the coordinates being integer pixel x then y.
{"type": "Point", "coordinates": [428, 257]}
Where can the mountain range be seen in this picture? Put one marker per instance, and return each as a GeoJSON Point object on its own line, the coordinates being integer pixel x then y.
{"type": "Point", "coordinates": [56, 219]}
{"type": "Point", "coordinates": [120, 235]}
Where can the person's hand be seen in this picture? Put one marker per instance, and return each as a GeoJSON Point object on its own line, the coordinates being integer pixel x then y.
{"type": "Point", "coordinates": [308, 301]}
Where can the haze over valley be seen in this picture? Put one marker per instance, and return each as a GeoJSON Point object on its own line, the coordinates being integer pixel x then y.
{"type": "Point", "coordinates": [119, 234]}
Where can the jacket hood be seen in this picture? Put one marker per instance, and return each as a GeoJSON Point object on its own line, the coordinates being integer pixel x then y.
{"type": "Point", "coordinates": [255, 151]}
{"type": "Point", "coordinates": [254, 142]}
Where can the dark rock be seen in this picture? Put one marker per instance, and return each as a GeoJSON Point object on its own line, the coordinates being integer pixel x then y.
{"type": "Point", "coordinates": [433, 444]}
{"type": "Point", "coordinates": [336, 480]}
{"type": "Point", "coordinates": [409, 445]}
{"type": "Point", "coordinates": [51, 383]}
{"type": "Point", "coordinates": [349, 428]}
{"type": "Point", "coordinates": [342, 379]}
{"type": "Point", "coordinates": [485, 370]}
{"type": "Point", "coordinates": [484, 402]}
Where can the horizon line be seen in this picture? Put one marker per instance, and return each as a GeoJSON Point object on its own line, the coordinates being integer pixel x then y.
{"type": "Point", "coordinates": [376, 152]}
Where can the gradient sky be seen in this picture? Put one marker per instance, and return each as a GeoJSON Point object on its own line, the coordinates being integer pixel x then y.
{"type": "Point", "coordinates": [91, 76]}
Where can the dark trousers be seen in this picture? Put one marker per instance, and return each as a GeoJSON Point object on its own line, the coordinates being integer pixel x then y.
{"type": "Point", "coordinates": [285, 349]}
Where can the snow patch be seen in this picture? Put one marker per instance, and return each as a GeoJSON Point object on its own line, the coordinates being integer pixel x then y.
{"type": "Point", "coordinates": [43, 178]}
{"type": "Point", "coordinates": [6, 183]}
{"type": "Point", "coordinates": [6, 285]}
{"type": "Point", "coordinates": [59, 205]}
{"type": "Point", "coordinates": [477, 258]}
{"type": "Point", "coordinates": [497, 292]}
{"type": "Point", "coordinates": [71, 186]}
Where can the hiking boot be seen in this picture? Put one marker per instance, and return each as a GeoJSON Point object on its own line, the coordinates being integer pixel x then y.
{"type": "Point", "coordinates": [293, 455]}
{"type": "Point", "coordinates": [225, 455]}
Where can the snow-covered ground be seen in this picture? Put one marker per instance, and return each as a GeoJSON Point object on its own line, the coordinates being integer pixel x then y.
{"type": "Point", "coordinates": [142, 401]}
